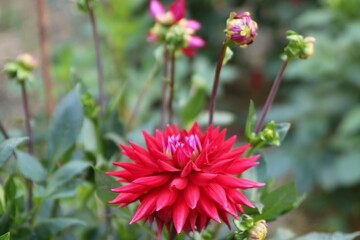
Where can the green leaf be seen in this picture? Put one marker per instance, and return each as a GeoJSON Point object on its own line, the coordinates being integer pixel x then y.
{"type": "Point", "coordinates": [50, 227]}
{"type": "Point", "coordinates": [8, 146]}
{"type": "Point", "coordinates": [193, 106]}
{"type": "Point", "coordinates": [228, 55]}
{"type": "Point", "coordinates": [347, 169]}
{"type": "Point", "coordinates": [65, 126]}
{"type": "Point", "coordinates": [282, 129]}
{"type": "Point", "coordinates": [327, 236]}
{"type": "Point", "coordinates": [68, 172]}
{"type": "Point", "coordinates": [250, 121]}
{"type": "Point", "coordinates": [279, 201]}
{"type": "Point", "coordinates": [350, 123]}
{"type": "Point", "coordinates": [6, 236]}
{"type": "Point", "coordinates": [31, 167]}
{"type": "Point", "coordinates": [103, 184]}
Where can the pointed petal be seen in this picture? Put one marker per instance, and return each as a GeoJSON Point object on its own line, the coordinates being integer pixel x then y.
{"type": "Point", "coordinates": [202, 179]}
{"type": "Point", "coordinates": [197, 42]}
{"type": "Point", "coordinates": [153, 181]}
{"type": "Point", "coordinates": [238, 197]}
{"type": "Point", "coordinates": [131, 188]}
{"type": "Point", "coordinates": [166, 198]}
{"type": "Point", "coordinates": [125, 198]}
{"type": "Point", "coordinates": [160, 226]}
{"type": "Point", "coordinates": [193, 24]}
{"type": "Point", "coordinates": [146, 207]}
{"type": "Point", "coordinates": [191, 195]}
{"type": "Point", "coordinates": [234, 182]}
{"type": "Point", "coordinates": [179, 183]}
{"type": "Point", "coordinates": [167, 167]}
{"type": "Point", "coordinates": [209, 208]}
{"type": "Point", "coordinates": [188, 169]}
{"type": "Point", "coordinates": [240, 166]}
{"type": "Point", "coordinates": [178, 9]}
{"type": "Point", "coordinates": [217, 193]}
{"type": "Point", "coordinates": [157, 9]}
{"type": "Point", "coordinates": [180, 214]}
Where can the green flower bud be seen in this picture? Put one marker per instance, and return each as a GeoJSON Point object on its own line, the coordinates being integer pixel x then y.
{"type": "Point", "coordinates": [259, 230]}
{"type": "Point", "coordinates": [269, 135]}
{"type": "Point", "coordinates": [298, 47]}
{"type": "Point", "coordinates": [21, 68]}
{"type": "Point", "coordinates": [27, 61]}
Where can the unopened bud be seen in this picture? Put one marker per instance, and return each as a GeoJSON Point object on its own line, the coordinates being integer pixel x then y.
{"type": "Point", "coordinates": [259, 230]}
{"type": "Point", "coordinates": [27, 61]}
{"type": "Point", "coordinates": [241, 29]}
{"type": "Point", "coordinates": [309, 48]}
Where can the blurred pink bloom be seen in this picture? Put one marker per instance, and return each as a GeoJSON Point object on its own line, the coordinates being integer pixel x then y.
{"type": "Point", "coordinates": [185, 178]}
{"type": "Point", "coordinates": [194, 43]}
{"type": "Point", "coordinates": [176, 12]}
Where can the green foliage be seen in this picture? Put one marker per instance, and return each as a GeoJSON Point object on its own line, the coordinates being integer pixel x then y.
{"type": "Point", "coordinates": [50, 227]}
{"type": "Point", "coordinates": [65, 126]}
{"type": "Point", "coordinates": [103, 184]}
{"type": "Point", "coordinates": [193, 107]}
{"type": "Point", "coordinates": [31, 167]}
{"type": "Point", "coordinates": [6, 236]}
{"type": "Point", "coordinates": [7, 148]}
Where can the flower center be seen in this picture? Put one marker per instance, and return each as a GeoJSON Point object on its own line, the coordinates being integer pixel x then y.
{"type": "Point", "coordinates": [188, 145]}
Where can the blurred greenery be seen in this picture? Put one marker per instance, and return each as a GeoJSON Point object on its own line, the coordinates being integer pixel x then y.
{"type": "Point", "coordinates": [319, 97]}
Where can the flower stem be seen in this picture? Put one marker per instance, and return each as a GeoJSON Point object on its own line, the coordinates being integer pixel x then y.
{"type": "Point", "coordinates": [45, 56]}
{"type": "Point", "coordinates": [30, 142]}
{"type": "Point", "coordinates": [3, 131]}
{"type": "Point", "coordinates": [164, 87]}
{"type": "Point", "coordinates": [271, 96]}
{"type": "Point", "coordinates": [147, 84]}
{"type": "Point", "coordinates": [172, 86]}
{"type": "Point", "coordinates": [99, 62]}
{"type": "Point", "coordinates": [216, 84]}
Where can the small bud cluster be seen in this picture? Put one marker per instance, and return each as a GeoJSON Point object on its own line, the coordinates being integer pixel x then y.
{"type": "Point", "coordinates": [21, 68]}
{"type": "Point", "coordinates": [241, 29]}
{"type": "Point", "coordinates": [267, 137]}
{"type": "Point", "coordinates": [298, 46]}
{"type": "Point", "coordinates": [249, 229]}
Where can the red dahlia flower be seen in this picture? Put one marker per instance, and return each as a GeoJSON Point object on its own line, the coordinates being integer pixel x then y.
{"type": "Point", "coordinates": [176, 12]}
{"type": "Point", "coordinates": [185, 177]}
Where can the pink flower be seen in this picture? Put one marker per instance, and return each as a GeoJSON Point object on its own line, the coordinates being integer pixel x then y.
{"type": "Point", "coordinates": [241, 29]}
{"type": "Point", "coordinates": [194, 42]}
{"type": "Point", "coordinates": [185, 178]}
{"type": "Point", "coordinates": [176, 12]}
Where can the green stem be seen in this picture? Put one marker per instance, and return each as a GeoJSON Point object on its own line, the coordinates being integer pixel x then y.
{"type": "Point", "coordinates": [216, 84]}
{"type": "Point", "coordinates": [172, 86]}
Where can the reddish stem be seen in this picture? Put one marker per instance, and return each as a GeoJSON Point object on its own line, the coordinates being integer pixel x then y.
{"type": "Point", "coordinates": [164, 87]}
{"type": "Point", "coordinates": [45, 56]}
{"type": "Point", "coordinates": [172, 86]}
{"type": "Point", "coordinates": [216, 84]}
{"type": "Point", "coordinates": [271, 96]}
{"type": "Point", "coordinates": [99, 62]}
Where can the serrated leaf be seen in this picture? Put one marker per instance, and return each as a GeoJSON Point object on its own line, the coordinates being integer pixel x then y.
{"type": "Point", "coordinates": [279, 201]}
{"type": "Point", "coordinates": [6, 236]}
{"type": "Point", "coordinates": [103, 184]}
{"type": "Point", "coordinates": [329, 236]}
{"type": "Point", "coordinates": [193, 106]}
{"type": "Point", "coordinates": [8, 146]}
{"type": "Point", "coordinates": [65, 126]}
{"type": "Point", "coordinates": [31, 167]}
{"type": "Point", "coordinates": [251, 120]}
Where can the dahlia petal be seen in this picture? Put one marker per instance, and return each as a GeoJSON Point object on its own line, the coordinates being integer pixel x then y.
{"type": "Point", "coordinates": [189, 51]}
{"type": "Point", "coordinates": [125, 198]}
{"type": "Point", "coordinates": [196, 130]}
{"type": "Point", "coordinates": [153, 181]}
{"type": "Point", "coordinates": [122, 174]}
{"type": "Point", "coordinates": [178, 9]}
{"type": "Point", "coordinates": [240, 166]}
{"type": "Point", "coordinates": [192, 219]}
{"type": "Point", "coordinates": [160, 226]}
{"type": "Point", "coordinates": [151, 142]}
{"type": "Point", "coordinates": [225, 218]}
{"type": "Point", "coordinates": [135, 168]}
{"type": "Point", "coordinates": [217, 193]}
{"type": "Point", "coordinates": [147, 160]}
{"type": "Point", "coordinates": [202, 179]}
{"type": "Point", "coordinates": [231, 208]}
{"type": "Point", "coordinates": [180, 214]}
{"type": "Point", "coordinates": [234, 182]}
{"type": "Point", "coordinates": [202, 221]}
{"type": "Point", "coordinates": [188, 169]}
{"type": "Point", "coordinates": [181, 157]}
{"type": "Point", "coordinates": [167, 167]}
{"type": "Point", "coordinates": [239, 197]}
{"type": "Point", "coordinates": [191, 195]}
{"type": "Point", "coordinates": [202, 158]}
{"type": "Point", "coordinates": [193, 24]}
{"type": "Point", "coordinates": [166, 198]}
{"type": "Point", "coordinates": [209, 208]}
{"type": "Point", "coordinates": [179, 183]}
{"type": "Point", "coordinates": [146, 207]}
{"type": "Point", "coordinates": [131, 188]}
{"type": "Point", "coordinates": [228, 144]}
{"type": "Point", "coordinates": [219, 166]}
{"type": "Point", "coordinates": [156, 9]}
{"type": "Point", "coordinates": [196, 42]}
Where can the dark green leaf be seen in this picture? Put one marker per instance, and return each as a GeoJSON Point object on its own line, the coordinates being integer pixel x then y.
{"type": "Point", "coordinates": [68, 172]}
{"type": "Point", "coordinates": [6, 236]}
{"type": "Point", "coordinates": [8, 146]}
{"type": "Point", "coordinates": [251, 120]}
{"type": "Point", "coordinates": [193, 106]}
{"type": "Point", "coordinates": [103, 184]}
{"type": "Point", "coordinates": [279, 201]}
{"type": "Point", "coordinates": [50, 227]}
{"type": "Point", "coordinates": [31, 167]}
{"type": "Point", "coordinates": [65, 126]}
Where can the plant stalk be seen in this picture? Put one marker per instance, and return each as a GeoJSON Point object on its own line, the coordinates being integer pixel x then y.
{"type": "Point", "coordinates": [172, 86]}
{"type": "Point", "coordinates": [30, 142]}
{"type": "Point", "coordinates": [271, 97]}
{"type": "Point", "coordinates": [45, 56]}
{"type": "Point", "coordinates": [3, 131]}
{"type": "Point", "coordinates": [164, 87]}
{"type": "Point", "coordinates": [216, 84]}
{"type": "Point", "coordinates": [99, 61]}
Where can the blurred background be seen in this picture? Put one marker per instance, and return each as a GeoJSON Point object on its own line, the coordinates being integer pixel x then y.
{"type": "Point", "coordinates": [320, 97]}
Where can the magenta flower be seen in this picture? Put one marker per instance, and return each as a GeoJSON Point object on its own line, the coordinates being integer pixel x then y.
{"type": "Point", "coordinates": [241, 29]}
{"type": "Point", "coordinates": [176, 12]}
{"type": "Point", "coordinates": [185, 178]}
